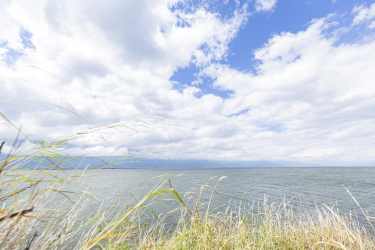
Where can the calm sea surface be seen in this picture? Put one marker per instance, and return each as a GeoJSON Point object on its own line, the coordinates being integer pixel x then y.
{"type": "Point", "coordinates": [313, 186]}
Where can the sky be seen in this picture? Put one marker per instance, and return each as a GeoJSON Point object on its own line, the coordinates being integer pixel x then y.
{"type": "Point", "coordinates": [279, 80]}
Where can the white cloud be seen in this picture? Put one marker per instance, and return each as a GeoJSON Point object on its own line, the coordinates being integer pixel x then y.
{"type": "Point", "coordinates": [97, 151]}
{"type": "Point", "coordinates": [364, 14]}
{"type": "Point", "coordinates": [308, 100]}
{"type": "Point", "coordinates": [105, 61]}
{"type": "Point", "coordinates": [265, 5]}
{"type": "Point", "coordinates": [322, 96]}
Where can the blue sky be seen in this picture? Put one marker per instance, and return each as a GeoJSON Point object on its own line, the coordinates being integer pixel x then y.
{"type": "Point", "coordinates": [286, 16]}
{"type": "Point", "coordinates": [232, 80]}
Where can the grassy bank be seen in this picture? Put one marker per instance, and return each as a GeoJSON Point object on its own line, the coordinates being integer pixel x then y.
{"type": "Point", "coordinates": [47, 209]}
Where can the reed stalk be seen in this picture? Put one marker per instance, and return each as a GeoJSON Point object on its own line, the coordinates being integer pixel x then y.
{"type": "Point", "coordinates": [46, 208]}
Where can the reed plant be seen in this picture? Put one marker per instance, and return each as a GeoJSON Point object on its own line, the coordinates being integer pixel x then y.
{"type": "Point", "coordinates": [49, 208]}
{"type": "Point", "coordinates": [258, 226]}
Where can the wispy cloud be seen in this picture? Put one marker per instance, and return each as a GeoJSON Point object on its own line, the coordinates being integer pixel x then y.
{"type": "Point", "coordinates": [265, 5]}
{"type": "Point", "coordinates": [364, 14]}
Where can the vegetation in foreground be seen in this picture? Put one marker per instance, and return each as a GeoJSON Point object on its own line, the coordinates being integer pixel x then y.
{"type": "Point", "coordinates": [46, 208]}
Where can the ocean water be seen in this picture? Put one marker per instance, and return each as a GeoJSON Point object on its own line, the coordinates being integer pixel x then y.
{"type": "Point", "coordinates": [312, 186]}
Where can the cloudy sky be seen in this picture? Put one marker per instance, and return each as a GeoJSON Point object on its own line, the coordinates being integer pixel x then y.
{"type": "Point", "coordinates": [193, 79]}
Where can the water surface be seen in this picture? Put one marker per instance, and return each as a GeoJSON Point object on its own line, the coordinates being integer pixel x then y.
{"type": "Point", "coordinates": [313, 186]}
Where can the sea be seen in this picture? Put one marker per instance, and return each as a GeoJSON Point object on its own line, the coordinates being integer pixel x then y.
{"type": "Point", "coordinates": [351, 190]}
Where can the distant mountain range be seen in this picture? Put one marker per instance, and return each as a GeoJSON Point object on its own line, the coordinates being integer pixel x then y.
{"type": "Point", "coordinates": [115, 163]}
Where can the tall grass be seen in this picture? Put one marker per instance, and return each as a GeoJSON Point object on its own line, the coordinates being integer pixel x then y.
{"type": "Point", "coordinates": [47, 208]}
{"type": "Point", "coordinates": [259, 226]}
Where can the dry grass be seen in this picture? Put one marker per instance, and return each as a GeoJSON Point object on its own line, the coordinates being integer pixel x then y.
{"type": "Point", "coordinates": [37, 210]}
{"type": "Point", "coordinates": [44, 210]}
{"type": "Point", "coordinates": [265, 226]}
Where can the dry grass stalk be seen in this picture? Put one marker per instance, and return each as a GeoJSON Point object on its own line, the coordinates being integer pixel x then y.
{"type": "Point", "coordinates": [38, 213]}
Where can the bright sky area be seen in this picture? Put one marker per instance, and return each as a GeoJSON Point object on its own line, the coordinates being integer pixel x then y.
{"type": "Point", "coordinates": [275, 80]}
